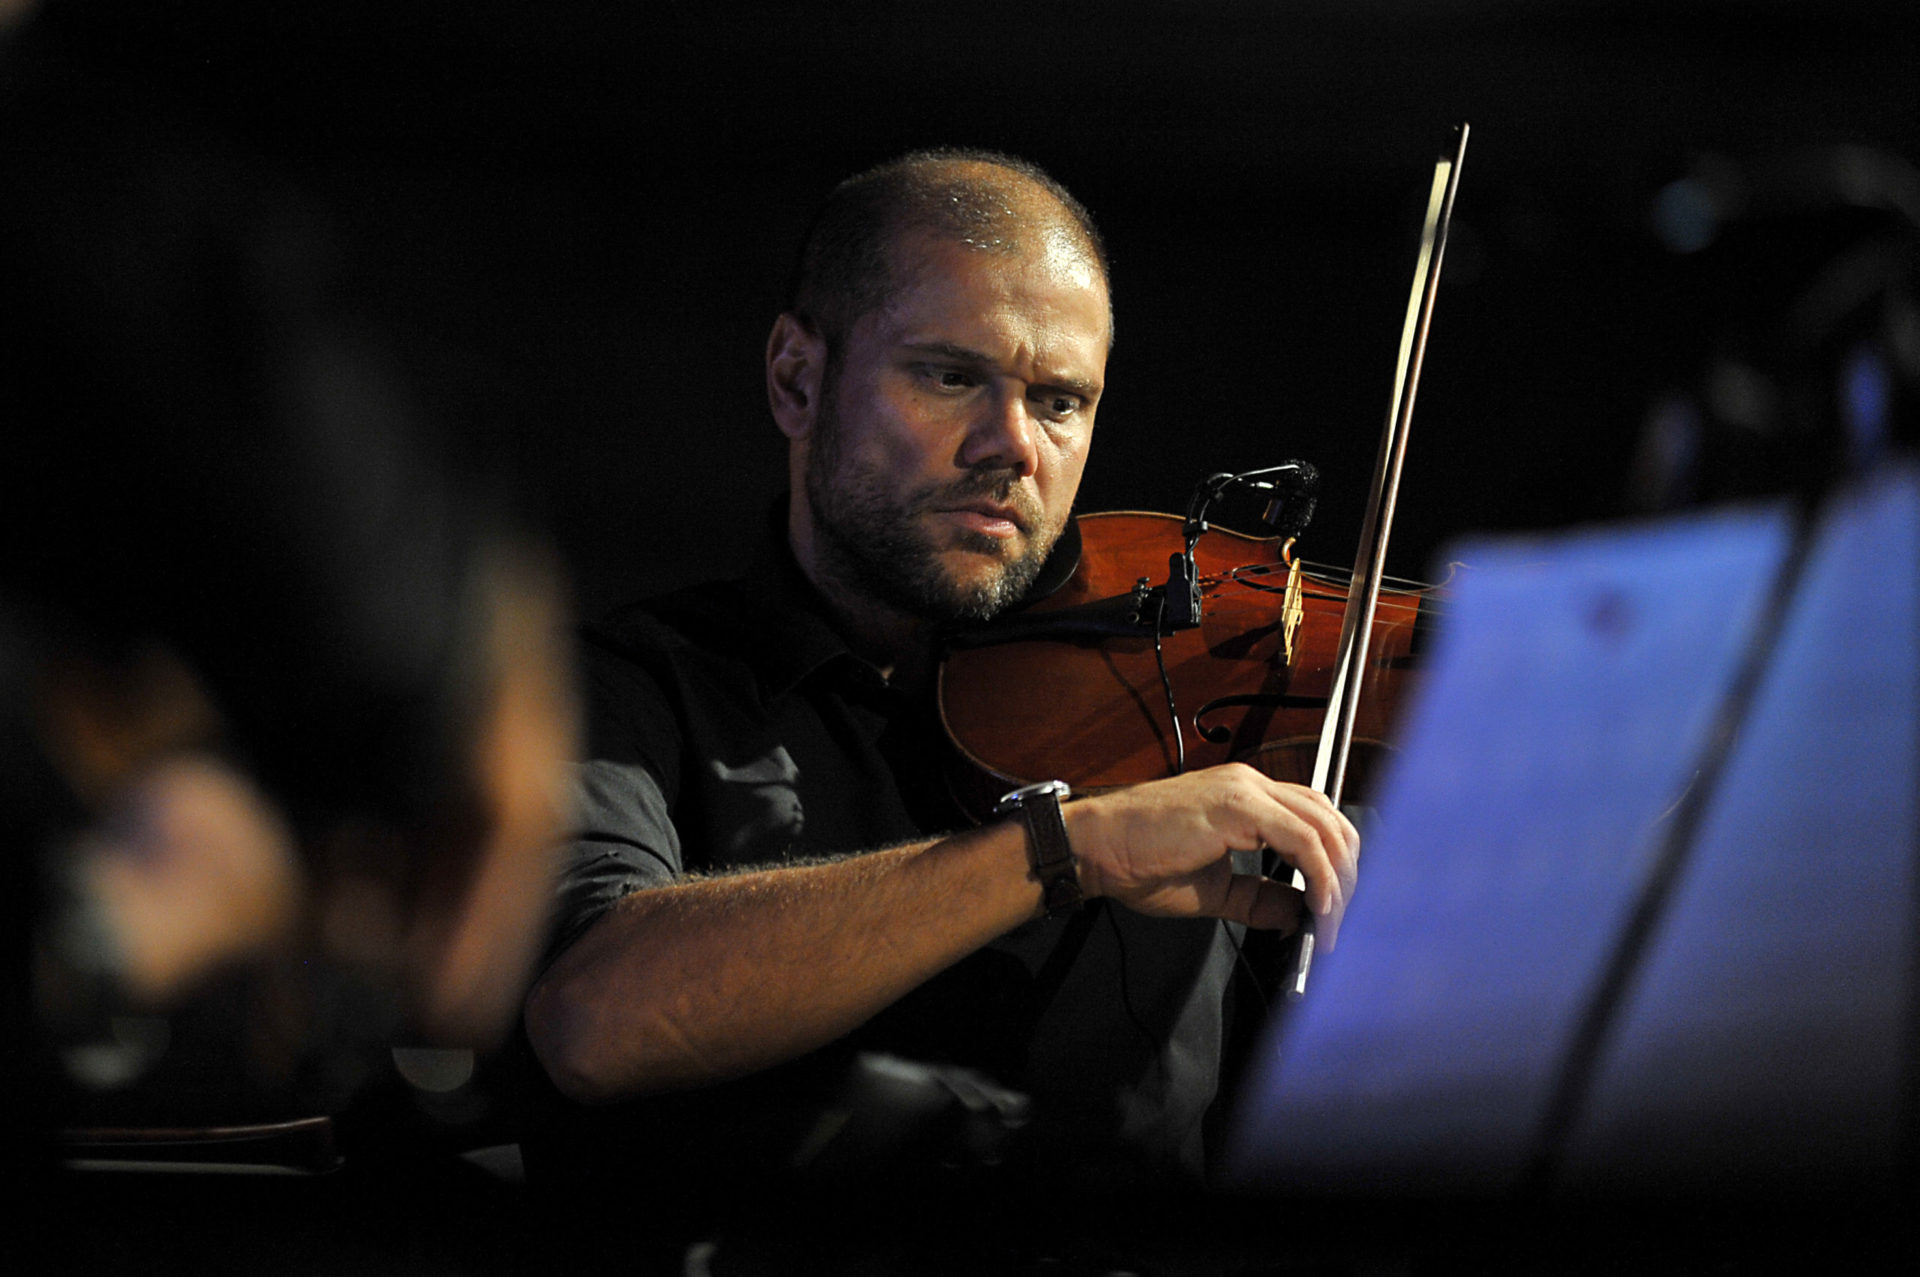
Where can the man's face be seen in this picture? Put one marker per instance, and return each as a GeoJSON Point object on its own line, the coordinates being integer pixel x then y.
{"type": "Point", "coordinates": [953, 428]}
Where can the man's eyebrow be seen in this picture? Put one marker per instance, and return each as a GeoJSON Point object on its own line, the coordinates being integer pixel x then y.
{"type": "Point", "coordinates": [967, 355]}
{"type": "Point", "coordinates": [948, 350]}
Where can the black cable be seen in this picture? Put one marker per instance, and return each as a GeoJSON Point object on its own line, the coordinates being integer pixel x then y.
{"type": "Point", "coordinates": [1247, 968]}
{"type": "Point", "coordinates": [1166, 685]}
{"type": "Point", "coordinates": [1126, 993]}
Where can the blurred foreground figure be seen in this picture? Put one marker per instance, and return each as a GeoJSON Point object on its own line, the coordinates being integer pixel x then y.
{"type": "Point", "coordinates": [273, 687]}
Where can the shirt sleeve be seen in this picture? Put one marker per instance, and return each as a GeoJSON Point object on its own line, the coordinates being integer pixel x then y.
{"type": "Point", "coordinates": [623, 792]}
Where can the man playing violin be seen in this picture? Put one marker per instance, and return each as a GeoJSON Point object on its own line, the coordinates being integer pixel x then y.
{"type": "Point", "coordinates": [766, 888]}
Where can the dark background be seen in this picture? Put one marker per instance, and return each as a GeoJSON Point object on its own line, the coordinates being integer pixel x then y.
{"type": "Point", "coordinates": [572, 223]}
{"type": "Point", "coordinates": [569, 224]}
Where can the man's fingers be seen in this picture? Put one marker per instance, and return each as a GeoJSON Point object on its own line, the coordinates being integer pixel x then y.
{"type": "Point", "coordinates": [1326, 848]}
{"type": "Point", "coordinates": [1269, 905]}
{"type": "Point", "coordinates": [1263, 904]}
{"type": "Point", "coordinates": [1309, 846]}
{"type": "Point", "coordinates": [1347, 834]}
{"type": "Point", "coordinates": [1163, 847]}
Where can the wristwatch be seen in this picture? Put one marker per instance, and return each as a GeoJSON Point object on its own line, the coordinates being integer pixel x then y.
{"type": "Point", "coordinates": [1048, 851]}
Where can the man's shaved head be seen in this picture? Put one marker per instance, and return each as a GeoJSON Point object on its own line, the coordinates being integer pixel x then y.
{"type": "Point", "coordinates": [981, 199]}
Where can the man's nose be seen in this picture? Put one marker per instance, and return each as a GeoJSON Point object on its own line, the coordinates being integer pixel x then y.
{"type": "Point", "coordinates": [1003, 436]}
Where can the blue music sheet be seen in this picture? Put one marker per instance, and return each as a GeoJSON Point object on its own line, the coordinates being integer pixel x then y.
{"type": "Point", "coordinates": [1569, 700]}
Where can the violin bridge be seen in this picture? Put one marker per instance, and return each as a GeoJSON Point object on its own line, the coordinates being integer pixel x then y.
{"type": "Point", "coordinates": [1292, 611]}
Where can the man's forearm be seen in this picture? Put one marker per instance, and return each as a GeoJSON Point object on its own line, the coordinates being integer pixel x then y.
{"type": "Point", "coordinates": [715, 978]}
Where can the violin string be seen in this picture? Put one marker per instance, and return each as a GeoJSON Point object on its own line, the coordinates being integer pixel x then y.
{"type": "Point", "coordinates": [1326, 574]}
{"type": "Point", "coordinates": [1430, 599]}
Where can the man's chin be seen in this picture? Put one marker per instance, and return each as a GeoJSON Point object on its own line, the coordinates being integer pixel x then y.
{"type": "Point", "coordinates": [972, 566]}
{"type": "Point", "coordinates": [980, 586]}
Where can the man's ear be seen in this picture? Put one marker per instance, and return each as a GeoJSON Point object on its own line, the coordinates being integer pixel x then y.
{"type": "Point", "coordinates": [796, 367]}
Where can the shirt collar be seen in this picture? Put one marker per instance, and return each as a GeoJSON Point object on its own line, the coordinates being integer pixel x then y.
{"type": "Point", "coordinates": [797, 639]}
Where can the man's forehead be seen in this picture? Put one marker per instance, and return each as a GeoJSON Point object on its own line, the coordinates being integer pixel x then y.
{"type": "Point", "coordinates": [1052, 240]}
{"type": "Point", "coordinates": [925, 265]}
{"type": "Point", "coordinates": [1000, 311]}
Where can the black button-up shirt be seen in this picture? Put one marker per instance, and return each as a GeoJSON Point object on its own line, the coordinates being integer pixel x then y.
{"type": "Point", "coordinates": [729, 725]}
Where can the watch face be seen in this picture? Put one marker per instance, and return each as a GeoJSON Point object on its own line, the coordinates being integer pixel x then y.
{"type": "Point", "coordinates": [1058, 788]}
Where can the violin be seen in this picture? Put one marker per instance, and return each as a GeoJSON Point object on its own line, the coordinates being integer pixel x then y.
{"type": "Point", "coordinates": [1084, 687]}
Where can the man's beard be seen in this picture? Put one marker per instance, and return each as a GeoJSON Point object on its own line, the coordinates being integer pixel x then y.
{"type": "Point", "coordinates": [874, 543]}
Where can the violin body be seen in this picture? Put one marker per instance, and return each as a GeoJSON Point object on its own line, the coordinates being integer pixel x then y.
{"type": "Point", "coordinates": [1093, 710]}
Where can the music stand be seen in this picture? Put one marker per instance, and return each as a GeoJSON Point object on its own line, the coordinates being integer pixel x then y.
{"type": "Point", "coordinates": [1639, 907]}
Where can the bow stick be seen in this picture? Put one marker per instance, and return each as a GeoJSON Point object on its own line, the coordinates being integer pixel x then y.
{"type": "Point", "coordinates": [1363, 592]}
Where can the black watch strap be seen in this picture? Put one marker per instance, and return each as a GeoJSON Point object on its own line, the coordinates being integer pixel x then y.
{"type": "Point", "coordinates": [1048, 852]}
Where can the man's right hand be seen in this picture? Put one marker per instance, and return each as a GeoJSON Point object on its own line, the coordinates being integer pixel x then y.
{"type": "Point", "coordinates": [1164, 848]}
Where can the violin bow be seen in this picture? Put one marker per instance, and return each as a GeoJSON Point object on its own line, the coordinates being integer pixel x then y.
{"type": "Point", "coordinates": [1363, 591]}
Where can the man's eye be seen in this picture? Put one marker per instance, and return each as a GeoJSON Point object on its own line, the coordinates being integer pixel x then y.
{"type": "Point", "coordinates": [950, 378]}
{"type": "Point", "coordinates": [1063, 405]}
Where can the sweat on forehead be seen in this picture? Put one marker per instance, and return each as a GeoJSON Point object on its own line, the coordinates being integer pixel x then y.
{"type": "Point", "coordinates": [979, 199]}
{"type": "Point", "coordinates": [976, 205]}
